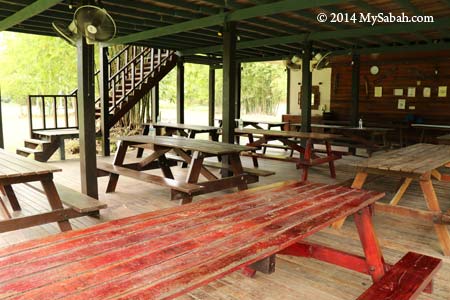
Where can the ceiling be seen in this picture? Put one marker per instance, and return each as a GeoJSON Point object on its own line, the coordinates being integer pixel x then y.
{"type": "Point", "coordinates": [266, 29]}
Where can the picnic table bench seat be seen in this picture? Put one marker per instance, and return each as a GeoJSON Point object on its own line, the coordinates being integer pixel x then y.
{"type": "Point", "coordinates": [79, 202]}
{"type": "Point", "coordinates": [187, 188]}
{"type": "Point", "coordinates": [405, 280]}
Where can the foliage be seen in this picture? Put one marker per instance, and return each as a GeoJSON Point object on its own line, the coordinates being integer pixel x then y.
{"type": "Point", "coordinates": [35, 65]}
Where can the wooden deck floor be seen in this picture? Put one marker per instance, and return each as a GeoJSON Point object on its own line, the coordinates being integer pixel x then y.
{"type": "Point", "coordinates": [295, 278]}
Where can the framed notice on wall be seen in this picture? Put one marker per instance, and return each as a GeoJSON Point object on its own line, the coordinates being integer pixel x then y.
{"type": "Point", "coordinates": [378, 91]}
{"type": "Point", "coordinates": [442, 91]}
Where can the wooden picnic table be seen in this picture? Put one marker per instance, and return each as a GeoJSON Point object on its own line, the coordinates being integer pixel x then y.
{"type": "Point", "coordinates": [167, 253]}
{"type": "Point", "coordinates": [257, 124]}
{"type": "Point", "coordinates": [310, 156]}
{"type": "Point", "coordinates": [417, 162]}
{"type": "Point", "coordinates": [425, 127]}
{"type": "Point", "coordinates": [357, 135]}
{"type": "Point", "coordinates": [186, 130]}
{"type": "Point", "coordinates": [191, 151]}
{"type": "Point", "coordinates": [15, 169]}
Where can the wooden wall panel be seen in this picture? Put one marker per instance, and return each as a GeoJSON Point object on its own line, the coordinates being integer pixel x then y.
{"type": "Point", "coordinates": [400, 70]}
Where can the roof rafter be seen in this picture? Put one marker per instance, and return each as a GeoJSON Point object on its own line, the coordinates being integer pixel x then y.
{"type": "Point", "coordinates": [238, 15]}
{"type": "Point", "coordinates": [27, 12]}
{"type": "Point", "coordinates": [326, 35]}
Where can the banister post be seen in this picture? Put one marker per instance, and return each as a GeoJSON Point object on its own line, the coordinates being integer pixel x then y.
{"type": "Point", "coordinates": [104, 100]}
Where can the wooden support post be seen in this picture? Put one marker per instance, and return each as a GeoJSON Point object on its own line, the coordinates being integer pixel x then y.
{"type": "Point", "coordinates": [288, 90]}
{"type": "Point", "coordinates": [180, 91]}
{"type": "Point", "coordinates": [86, 117]}
{"type": "Point", "coordinates": [229, 89]}
{"type": "Point", "coordinates": [155, 103]}
{"type": "Point", "coordinates": [104, 100]}
{"type": "Point", "coordinates": [2, 143]}
{"type": "Point", "coordinates": [305, 104]}
{"type": "Point", "coordinates": [212, 94]}
{"type": "Point", "coordinates": [354, 114]}
{"type": "Point", "coordinates": [238, 91]}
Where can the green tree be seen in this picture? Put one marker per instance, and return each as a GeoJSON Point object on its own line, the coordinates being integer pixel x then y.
{"type": "Point", "coordinates": [34, 64]}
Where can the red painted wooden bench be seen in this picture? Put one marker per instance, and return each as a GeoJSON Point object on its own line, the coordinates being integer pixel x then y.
{"type": "Point", "coordinates": [406, 279]}
{"type": "Point", "coordinates": [167, 253]}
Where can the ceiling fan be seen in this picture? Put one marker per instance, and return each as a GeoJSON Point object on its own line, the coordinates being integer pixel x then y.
{"type": "Point", "coordinates": [91, 22]}
{"type": "Point", "coordinates": [320, 61]}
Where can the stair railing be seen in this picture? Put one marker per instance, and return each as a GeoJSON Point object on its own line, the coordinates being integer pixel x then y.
{"type": "Point", "coordinates": [42, 101]}
{"type": "Point", "coordinates": [133, 72]}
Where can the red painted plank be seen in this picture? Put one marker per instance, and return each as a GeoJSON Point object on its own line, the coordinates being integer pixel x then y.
{"type": "Point", "coordinates": [181, 211]}
{"type": "Point", "coordinates": [53, 274]}
{"type": "Point", "coordinates": [406, 280]}
{"type": "Point", "coordinates": [266, 238]}
{"type": "Point", "coordinates": [35, 261]}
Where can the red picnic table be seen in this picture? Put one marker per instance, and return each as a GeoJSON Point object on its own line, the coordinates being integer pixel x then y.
{"type": "Point", "coordinates": [167, 253]}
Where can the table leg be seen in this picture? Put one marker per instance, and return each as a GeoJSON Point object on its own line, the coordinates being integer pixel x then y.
{"type": "Point", "coordinates": [9, 193]}
{"type": "Point", "coordinates": [62, 149]}
{"type": "Point", "coordinates": [254, 159]}
{"type": "Point", "coordinates": [401, 190]}
{"type": "Point", "coordinates": [374, 258]}
{"type": "Point", "coordinates": [433, 205]}
{"type": "Point", "coordinates": [3, 209]}
{"type": "Point", "coordinates": [330, 163]}
{"type": "Point", "coordinates": [307, 157]}
{"type": "Point", "coordinates": [236, 167]}
{"type": "Point", "coordinates": [118, 161]}
{"type": "Point", "coordinates": [55, 201]}
{"type": "Point", "coordinates": [165, 167]}
{"type": "Point", "coordinates": [193, 172]}
{"type": "Point", "coordinates": [145, 131]}
{"type": "Point", "coordinates": [358, 183]}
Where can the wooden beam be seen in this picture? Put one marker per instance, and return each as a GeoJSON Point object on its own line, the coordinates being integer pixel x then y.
{"type": "Point", "coordinates": [180, 91]}
{"type": "Point", "coordinates": [306, 88]}
{"type": "Point", "coordinates": [104, 100]}
{"type": "Point", "coordinates": [27, 12]}
{"type": "Point", "coordinates": [354, 114]}
{"type": "Point", "coordinates": [404, 48]}
{"type": "Point", "coordinates": [212, 94]}
{"type": "Point", "coordinates": [86, 118]}
{"type": "Point", "coordinates": [155, 104]}
{"type": "Point", "coordinates": [238, 90]}
{"type": "Point", "coordinates": [331, 35]}
{"type": "Point", "coordinates": [238, 15]}
{"type": "Point", "coordinates": [229, 83]}
{"type": "Point", "coordinates": [288, 90]}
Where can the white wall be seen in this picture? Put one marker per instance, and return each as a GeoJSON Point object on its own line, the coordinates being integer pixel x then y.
{"type": "Point", "coordinates": [321, 78]}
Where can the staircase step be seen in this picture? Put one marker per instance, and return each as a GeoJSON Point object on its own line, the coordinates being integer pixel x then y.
{"type": "Point", "coordinates": [37, 142]}
{"type": "Point", "coordinates": [24, 151]}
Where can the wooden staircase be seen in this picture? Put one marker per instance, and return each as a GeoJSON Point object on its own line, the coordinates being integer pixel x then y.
{"type": "Point", "coordinates": [133, 72]}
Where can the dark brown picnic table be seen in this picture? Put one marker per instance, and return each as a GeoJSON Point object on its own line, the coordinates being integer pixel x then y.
{"type": "Point", "coordinates": [432, 127]}
{"type": "Point", "coordinates": [359, 135]}
{"type": "Point", "coordinates": [416, 162]}
{"type": "Point", "coordinates": [310, 157]}
{"type": "Point", "coordinates": [191, 151]}
{"type": "Point", "coordinates": [257, 124]}
{"type": "Point", "coordinates": [15, 169]}
{"type": "Point", "coordinates": [444, 139]}
{"type": "Point", "coordinates": [186, 130]}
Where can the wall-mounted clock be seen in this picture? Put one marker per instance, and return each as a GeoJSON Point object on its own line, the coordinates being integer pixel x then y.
{"type": "Point", "coordinates": [374, 70]}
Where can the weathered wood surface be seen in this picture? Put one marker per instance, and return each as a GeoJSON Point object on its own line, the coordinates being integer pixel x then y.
{"type": "Point", "coordinates": [348, 128]}
{"type": "Point", "coordinates": [406, 279]}
{"type": "Point", "coordinates": [58, 132]}
{"type": "Point", "coordinates": [204, 146]}
{"type": "Point", "coordinates": [15, 166]}
{"type": "Point", "coordinates": [194, 127]}
{"type": "Point", "coordinates": [289, 134]}
{"type": "Point", "coordinates": [188, 188]}
{"type": "Point", "coordinates": [417, 159]}
{"type": "Point", "coordinates": [164, 254]}
{"type": "Point", "coordinates": [431, 126]}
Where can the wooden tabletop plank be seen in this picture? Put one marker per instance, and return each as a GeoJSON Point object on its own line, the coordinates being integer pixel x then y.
{"type": "Point", "coordinates": [431, 126]}
{"type": "Point", "coordinates": [204, 146]}
{"type": "Point", "coordinates": [152, 259]}
{"type": "Point", "coordinates": [416, 159]}
{"type": "Point", "coordinates": [194, 127]}
{"type": "Point", "coordinates": [13, 165]}
{"type": "Point", "coordinates": [289, 134]}
{"type": "Point", "coordinates": [348, 128]}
